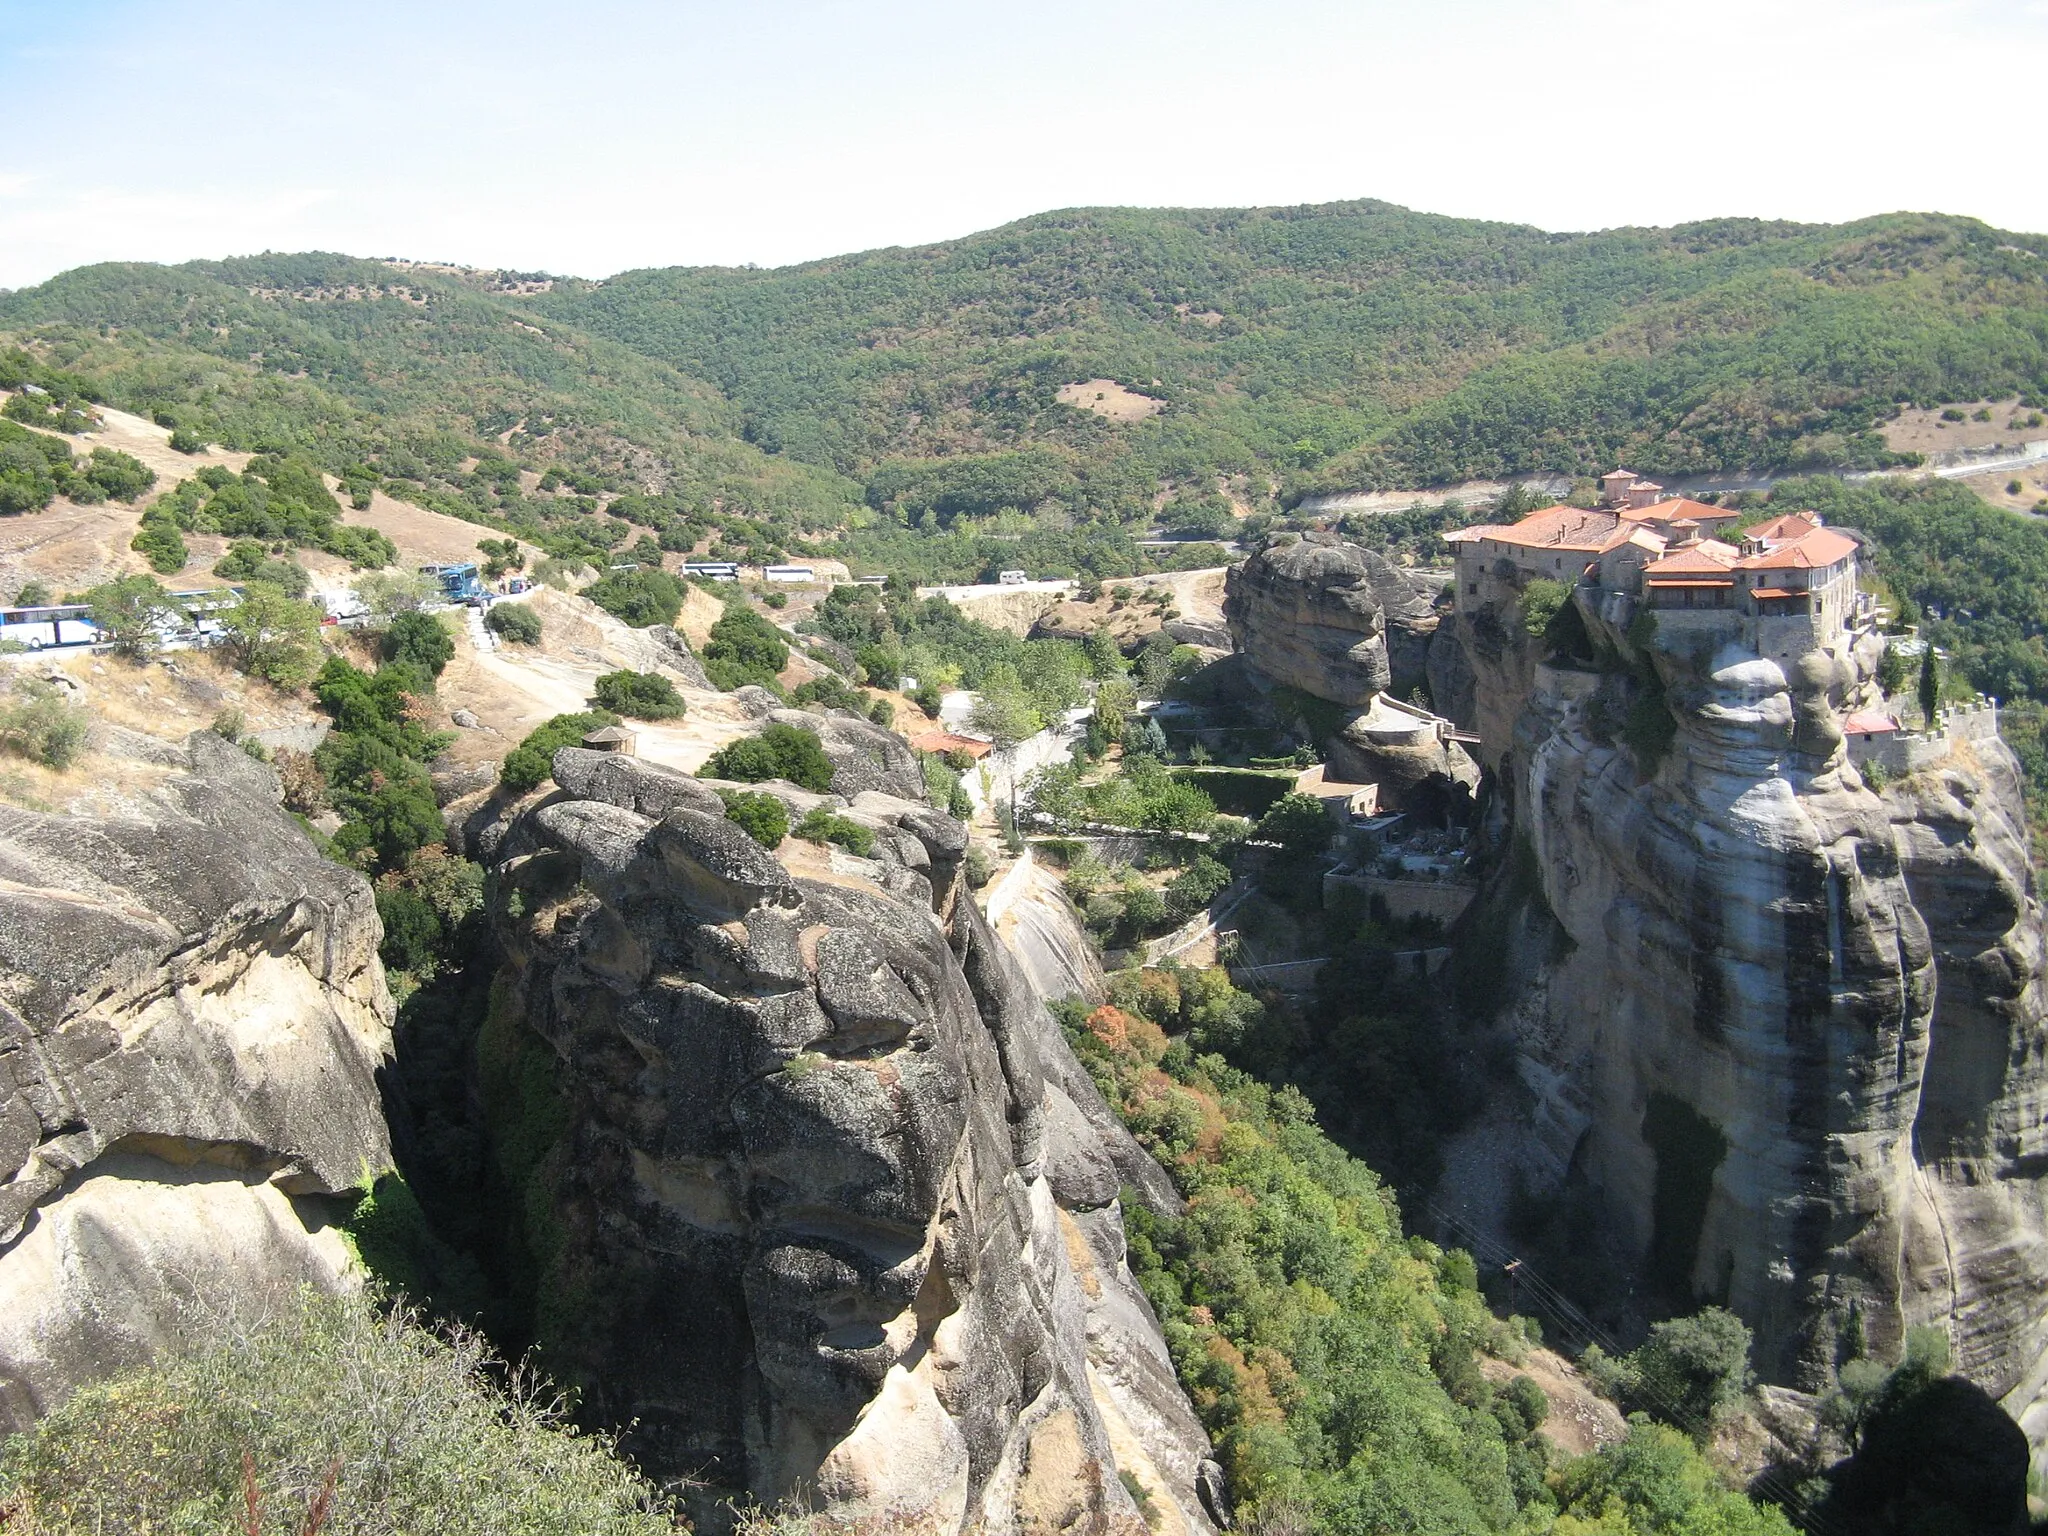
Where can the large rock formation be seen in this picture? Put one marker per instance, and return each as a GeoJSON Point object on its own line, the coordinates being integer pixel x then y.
{"type": "Point", "coordinates": [835, 1212]}
{"type": "Point", "coordinates": [192, 1017]}
{"type": "Point", "coordinates": [1795, 1039]}
{"type": "Point", "coordinates": [1332, 619]}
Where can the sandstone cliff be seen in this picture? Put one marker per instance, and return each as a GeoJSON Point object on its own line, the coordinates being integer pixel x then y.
{"type": "Point", "coordinates": [192, 1017]}
{"type": "Point", "coordinates": [832, 1213]}
{"type": "Point", "coordinates": [1794, 1040]}
{"type": "Point", "coordinates": [1331, 619]}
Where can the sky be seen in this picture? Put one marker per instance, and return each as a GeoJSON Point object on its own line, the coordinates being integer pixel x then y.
{"type": "Point", "coordinates": [603, 135]}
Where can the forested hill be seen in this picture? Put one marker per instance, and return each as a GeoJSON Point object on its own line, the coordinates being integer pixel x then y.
{"type": "Point", "coordinates": [1354, 344]}
{"type": "Point", "coordinates": [915, 396]}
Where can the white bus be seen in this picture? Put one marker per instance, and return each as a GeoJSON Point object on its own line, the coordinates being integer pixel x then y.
{"type": "Point", "coordinates": [716, 570]}
{"type": "Point", "coordinates": [39, 629]}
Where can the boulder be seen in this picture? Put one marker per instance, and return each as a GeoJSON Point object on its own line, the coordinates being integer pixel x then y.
{"type": "Point", "coordinates": [1332, 619]}
{"type": "Point", "coordinates": [192, 1019]}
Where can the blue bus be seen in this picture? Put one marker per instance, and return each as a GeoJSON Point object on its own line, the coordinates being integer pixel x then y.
{"type": "Point", "coordinates": [459, 583]}
{"type": "Point", "coordinates": [51, 625]}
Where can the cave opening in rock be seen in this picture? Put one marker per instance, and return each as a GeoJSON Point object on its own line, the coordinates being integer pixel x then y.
{"type": "Point", "coordinates": [1689, 1148]}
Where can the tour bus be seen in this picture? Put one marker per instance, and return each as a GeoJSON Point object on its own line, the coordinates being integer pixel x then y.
{"type": "Point", "coordinates": [788, 573]}
{"type": "Point", "coordinates": [459, 583]}
{"type": "Point", "coordinates": [57, 624]}
{"type": "Point", "coordinates": [716, 570]}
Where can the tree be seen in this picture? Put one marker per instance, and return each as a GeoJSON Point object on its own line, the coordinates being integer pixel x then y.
{"type": "Point", "coordinates": [638, 695]}
{"type": "Point", "coordinates": [1004, 712]}
{"type": "Point", "coordinates": [744, 648]}
{"type": "Point", "coordinates": [1891, 671]}
{"type": "Point", "coordinates": [389, 593]}
{"type": "Point", "coordinates": [1541, 600]}
{"type": "Point", "coordinates": [761, 816]}
{"type": "Point", "coordinates": [638, 597]}
{"type": "Point", "coordinates": [779, 752]}
{"type": "Point", "coordinates": [134, 611]}
{"type": "Point", "coordinates": [533, 760]}
{"type": "Point", "coordinates": [1298, 823]}
{"type": "Point", "coordinates": [516, 622]}
{"type": "Point", "coordinates": [33, 594]}
{"type": "Point", "coordinates": [1930, 685]}
{"type": "Point", "coordinates": [1692, 1368]}
{"type": "Point", "coordinates": [422, 640]}
{"type": "Point", "coordinates": [274, 636]}
{"type": "Point", "coordinates": [159, 542]}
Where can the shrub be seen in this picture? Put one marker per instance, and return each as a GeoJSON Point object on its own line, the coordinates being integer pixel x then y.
{"type": "Point", "coordinates": [780, 752]}
{"type": "Point", "coordinates": [822, 826]}
{"type": "Point", "coordinates": [185, 440]}
{"type": "Point", "coordinates": [533, 760]}
{"type": "Point", "coordinates": [159, 542]}
{"type": "Point", "coordinates": [515, 622]}
{"type": "Point", "coordinates": [744, 648]}
{"type": "Point", "coordinates": [1298, 823]}
{"type": "Point", "coordinates": [638, 695]}
{"type": "Point", "coordinates": [420, 639]}
{"type": "Point", "coordinates": [42, 725]}
{"type": "Point", "coordinates": [412, 930]}
{"type": "Point", "coordinates": [639, 597]}
{"type": "Point", "coordinates": [1541, 600]}
{"type": "Point", "coordinates": [248, 560]}
{"type": "Point", "coordinates": [762, 817]}
{"type": "Point", "coordinates": [406, 1427]}
{"type": "Point", "coordinates": [118, 475]}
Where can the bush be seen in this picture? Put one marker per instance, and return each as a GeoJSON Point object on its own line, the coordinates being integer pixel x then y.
{"type": "Point", "coordinates": [744, 648]}
{"type": "Point", "coordinates": [533, 760]}
{"type": "Point", "coordinates": [1298, 823]}
{"type": "Point", "coordinates": [405, 1427]}
{"type": "Point", "coordinates": [159, 542]}
{"type": "Point", "coordinates": [42, 725]}
{"type": "Point", "coordinates": [516, 622]}
{"type": "Point", "coordinates": [762, 817]}
{"type": "Point", "coordinates": [822, 826]}
{"type": "Point", "coordinates": [1541, 600]}
{"type": "Point", "coordinates": [780, 752]}
{"type": "Point", "coordinates": [638, 695]}
{"type": "Point", "coordinates": [420, 639]}
{"type": "Point", "coordinates": [185, 440]}
{"type": "Point", "coordinates": [412, 930]}
{"type": "Point", "coordinates": [118, 475]}
{"type": "Point", "coordinates": [639, 597]}
{"type": "Point", "coordinates": [248, 560]}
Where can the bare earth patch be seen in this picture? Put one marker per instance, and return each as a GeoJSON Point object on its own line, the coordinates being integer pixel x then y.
{"type": "Point", "coordinates": [1918, 431]}
{"type": "Point", "coordinates": [1581, 1420]}
{"type": "Point", "coordinates": [1106, 397]}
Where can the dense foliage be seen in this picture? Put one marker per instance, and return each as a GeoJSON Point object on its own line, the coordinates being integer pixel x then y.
{"type": "Point", "coordinates": [382, 1424]}
{"type": "Point", "coordinates": [779, 752]}
{"type": "Point", "coordinates": [529, 764]}
{"type": "Point", "coordinates": [516, 622]}
{"type": "Point", "coordinates": [1333, 1360]}
{"type": "Point", "coordinates": [761, 816]}
{"type": "Point", "coordinates": [373, 763]}
{"type": "Point", "coordinates": [744, 648]}
{"type": "Point", "coordinates": [278, 499]}
{"type": "Point", "coordinates": [36, 468]}
{"type": "Point", "coordinates": [637, 695]}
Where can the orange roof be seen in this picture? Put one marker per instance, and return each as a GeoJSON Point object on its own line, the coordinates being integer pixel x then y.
{"type": "Point", "coordinates": [1557, 527]}
{"type": "Point", "coordinates": [946, 741]}
{"type": "Point", "coordinates": [1869, 723]}
{"type": "Point", "coordinates": [1822, 546]}
{"type": "Point", "coordinates": [1694, 581]}
{"type": "Point", "coordinates": [1777, 592]}
{"type": "Point", "coordinates": [1780, 530]}
{"type": "Point", "coordinates": [1676, 507]}
{"type": "Point", "coordinates": [1706, 558]}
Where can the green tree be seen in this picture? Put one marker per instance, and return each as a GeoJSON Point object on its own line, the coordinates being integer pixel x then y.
{"type": "Point", "coordinates": [159, 542]}
{"type": "Point", "coordinates": [1692, 1369]}
{"type": "Point", "coordinates": [638, 695]}
{"type": "Point", "coordinates": [761, 816]}
{"type": "Point", "coordinates": [1298, 823]}
{"type": "Point", "coordinates": [531, 762]}
{"type": "Point", "coordinates": [134, 611]}
{"type": "Point", "coordinates": [1930, 686]}
{"type": "Point", "coordinates": [822, 826]}
{"type": "Point", "coordinates": [1891, 671]}
{"type": "Point", "coordinates": [1004, 711]}
{"type": "Point", "coordinates": [744, 648]}
{"type": "Point", "coordinates": [273, 636]}
{"type": "Point", "coordinates": [779, 752]}
{"type": "Point", "coordinates": [421, 640]}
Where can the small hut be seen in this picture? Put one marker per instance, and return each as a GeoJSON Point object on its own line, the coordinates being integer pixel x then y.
{"type": "Point", "coordinates": [613, 738]}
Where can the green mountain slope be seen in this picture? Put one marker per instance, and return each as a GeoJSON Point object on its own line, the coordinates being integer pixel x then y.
{"type": "Point", "coordinates": [1352, 344]}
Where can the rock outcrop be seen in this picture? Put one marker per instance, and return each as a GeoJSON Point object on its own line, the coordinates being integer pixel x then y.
{"type": "Point", "coordinates": [1796, 1041]}
{"type": "Point", "coordinates": [192, 1018]}
{"type": "Point", "coordinates": [1331, 619]}
{"type": "Point", "coordinates": [835, 1212]}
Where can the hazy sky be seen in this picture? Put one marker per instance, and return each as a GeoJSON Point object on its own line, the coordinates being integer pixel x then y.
{"type": "Point", "coordinates": [596, 135]}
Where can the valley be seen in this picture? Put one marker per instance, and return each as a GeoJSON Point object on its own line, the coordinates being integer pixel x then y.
{"type": "Point", "coordinates": [918, 879]}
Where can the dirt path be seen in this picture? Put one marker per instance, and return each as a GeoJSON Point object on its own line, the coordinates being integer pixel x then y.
{"type": "Point", "coordinates": [1580, 1419]}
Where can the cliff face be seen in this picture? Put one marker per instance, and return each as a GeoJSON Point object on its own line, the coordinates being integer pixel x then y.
{"type": "Point", "coordinates": [1331, 619]}
{"type": "Point", "coordinates": [1795, 1040]}
{"type": "Point", "coordinates": [834, 1211]}
{"type": "Point", "coordinates": [191, 1019]}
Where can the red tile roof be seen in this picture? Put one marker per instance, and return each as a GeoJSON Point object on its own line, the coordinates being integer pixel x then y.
{"type": "Point", "coordinates": [1869, 722]}
{"type": "Point", "coordinates": [1780, 530]}
{"type": "Point", "coordinates": [1821, 547]}
{"type": "Point", "coordinates": [1706, 558]}
{"type": "Point", "coordinates": [1676, 507]}
{"type": "Point", "coordinates": [946, 741]}
{"type": "Point", "coordinates": [1558, 527]}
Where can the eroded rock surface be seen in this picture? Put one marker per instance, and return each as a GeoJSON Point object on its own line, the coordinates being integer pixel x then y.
{"type": "Point", "coordinates": [192, 1017]}
{"type": "Point", "coordinates": [836, 1209]}
{"type": "Point", "coordinates": [1330, 618]}
{"type": "Point", "coordinates": [1795, 1041]}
